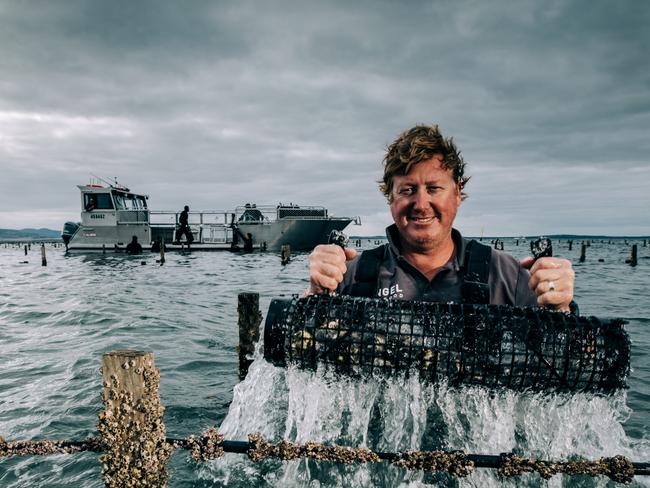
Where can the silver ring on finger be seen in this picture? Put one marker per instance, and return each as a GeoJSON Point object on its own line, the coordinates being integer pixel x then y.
{"type": "Point", "coordinates": [551, 286]}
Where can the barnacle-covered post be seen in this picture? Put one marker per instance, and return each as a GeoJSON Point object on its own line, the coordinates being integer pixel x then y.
{"type": "Point", "coordinates": [131, 424]}
{"type": "Point", "coordinates": [250, 318]}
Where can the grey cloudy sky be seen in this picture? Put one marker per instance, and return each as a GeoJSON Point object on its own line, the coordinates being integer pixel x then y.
{"type": "Point", "coordinates": [214, 104]}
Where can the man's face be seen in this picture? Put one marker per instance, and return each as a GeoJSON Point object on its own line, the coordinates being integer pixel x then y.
{"type": "Point", "coordinates": [424, 204]}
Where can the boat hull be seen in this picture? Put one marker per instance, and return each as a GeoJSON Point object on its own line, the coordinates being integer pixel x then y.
{"type": "Point", "coordinates": [299, 234]}
{"type": "Point", "coordinates": [100, 237]}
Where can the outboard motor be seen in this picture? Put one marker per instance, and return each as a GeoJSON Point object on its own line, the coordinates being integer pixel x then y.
{"type": "Point", "coordinates": [69, 230]}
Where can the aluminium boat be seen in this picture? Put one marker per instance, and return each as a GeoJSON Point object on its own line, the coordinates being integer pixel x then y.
{"type": "Point", "coordinates": [112, 214]}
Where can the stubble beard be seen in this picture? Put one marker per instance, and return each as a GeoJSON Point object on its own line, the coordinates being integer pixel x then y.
{"type": "Point", "coordinates": [422, 245]}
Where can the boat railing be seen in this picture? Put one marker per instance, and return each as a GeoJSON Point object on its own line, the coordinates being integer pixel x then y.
{"type": "Point", "coordinates": [207, 217]}
{"type": "Point", "coordinates": [263, 214]}
{"type": "Point", "coordinates": [210, 226]}
{"type": "Point", "coordinates": [266, 214]}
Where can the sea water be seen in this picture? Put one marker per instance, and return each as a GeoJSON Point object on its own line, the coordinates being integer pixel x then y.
{"type": "Point", "coordinates": [56, 321]}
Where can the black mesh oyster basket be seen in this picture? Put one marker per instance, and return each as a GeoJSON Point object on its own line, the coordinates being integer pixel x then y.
{"type": "Point", "coordinates": [490, 345]}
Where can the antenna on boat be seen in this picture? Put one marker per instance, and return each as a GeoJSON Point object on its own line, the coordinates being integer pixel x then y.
{"type": "Point", "coordinates": [115, 185]}
{"type": "Point", "coordinates": [103, 180]}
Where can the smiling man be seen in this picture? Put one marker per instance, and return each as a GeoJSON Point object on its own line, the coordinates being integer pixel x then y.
{"type": "Point", "coordinates": [426, 258]}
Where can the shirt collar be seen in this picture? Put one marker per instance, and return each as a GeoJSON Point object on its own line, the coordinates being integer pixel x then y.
{"type": "Point", "coordinates": [392, 233]}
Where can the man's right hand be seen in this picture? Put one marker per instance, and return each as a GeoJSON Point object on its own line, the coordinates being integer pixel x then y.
{"type": "Point", "coordinates": [327, 267]}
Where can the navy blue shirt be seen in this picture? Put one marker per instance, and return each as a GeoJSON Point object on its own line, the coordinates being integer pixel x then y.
{"type": "Point", "coordinates": [507, 279]}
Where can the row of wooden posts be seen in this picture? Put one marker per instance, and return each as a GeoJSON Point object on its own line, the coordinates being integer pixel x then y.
{"type": "Point", "coordinates": [498, 243]}
{"type": "Point", "coordinates": [285, 254]}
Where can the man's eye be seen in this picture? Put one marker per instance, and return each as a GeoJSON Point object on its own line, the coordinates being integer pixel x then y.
{"type": "Point", "coordinates": [433, 189]}
{"type": "Point", "coordinates": [406, 191]}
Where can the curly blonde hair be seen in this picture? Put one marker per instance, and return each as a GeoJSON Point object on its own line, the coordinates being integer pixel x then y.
{"type": "Point", "coordinates": [418, 144]}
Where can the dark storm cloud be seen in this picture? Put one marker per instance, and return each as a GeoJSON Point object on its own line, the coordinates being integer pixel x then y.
{"type": "Point", "coordinates": [218, 103]}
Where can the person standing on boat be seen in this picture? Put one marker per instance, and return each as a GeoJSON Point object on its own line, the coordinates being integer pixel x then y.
{"type": "Point", "coordinates": [426, 258]}
{"type": "Point", "coordinates": [134, 246]}
{"type": "Point", "coordinates": [184, 227]}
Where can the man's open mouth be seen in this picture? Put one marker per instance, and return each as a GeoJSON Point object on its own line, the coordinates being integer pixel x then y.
{"type": "Point", "coordinates": [422, 220]}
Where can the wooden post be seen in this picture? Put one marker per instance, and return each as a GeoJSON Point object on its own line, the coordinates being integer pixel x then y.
{"type": "Point", "coordinates": [131, 424]}
{"type": "Point", "coordinates": [25, 249]}
{"type": "Point", "coordinates": [162, 251]}
{"type": "Point", "coordinates": [248, 242]}
{"type": "Point", "coordinates": [250, 318]}
{"type": "Point", "coordinates": [633, 256]}
{"type": "Point", "coordinates": [570, 245]}
{"type": "Point", "coordinates": [583, 250]}
{"type": "Point", "coordinates": [43, 258]}
{"type": "Point", "coordinates": [285, 254]}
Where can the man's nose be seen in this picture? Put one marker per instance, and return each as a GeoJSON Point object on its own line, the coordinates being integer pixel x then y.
{"type": "Point", "coordinates": [420, 199]}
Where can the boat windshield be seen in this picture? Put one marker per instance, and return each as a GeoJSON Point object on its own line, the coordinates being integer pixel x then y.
{"type": "Point", "coordinates": [251, 215]}
{"type": "Point", "coordinates": [97, 201]}
{"type": "Point", "coordinates": [127, 201]}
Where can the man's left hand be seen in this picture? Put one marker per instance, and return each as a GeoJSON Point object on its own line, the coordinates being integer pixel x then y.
{"type": "Point", "coordinates": [552, 280]}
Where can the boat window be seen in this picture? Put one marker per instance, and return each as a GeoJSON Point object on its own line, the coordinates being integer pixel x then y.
{"type": "Point", "coordinates": [104, 201]}
{"type": "Point", "coordinates": [97, 201]}
{"type": "Point", "coordinates": [120, 203]}
{"type": "Point", "coordinates": [130, 202]}
{"type": "Point", "coordinates": [141, 202]}
{"type": "Point", "coordinates": [251, 215]}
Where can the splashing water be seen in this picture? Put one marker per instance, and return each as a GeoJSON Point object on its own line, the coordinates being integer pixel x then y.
{"type": "Point", "coordinates": [399, 414]}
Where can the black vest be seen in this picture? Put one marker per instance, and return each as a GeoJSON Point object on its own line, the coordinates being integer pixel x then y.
{"type": "Point", "coordinates": [475, 269]}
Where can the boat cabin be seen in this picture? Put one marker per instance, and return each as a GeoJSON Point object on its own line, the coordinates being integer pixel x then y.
{"type": "Point", "coordinates": [112, 205]}
{"type": "Point", "coordinates": [112, 215]}
{"type": "Point", "coordinates": [97, 197]}
{"type": "Point", "coordinates": [251, 214]}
